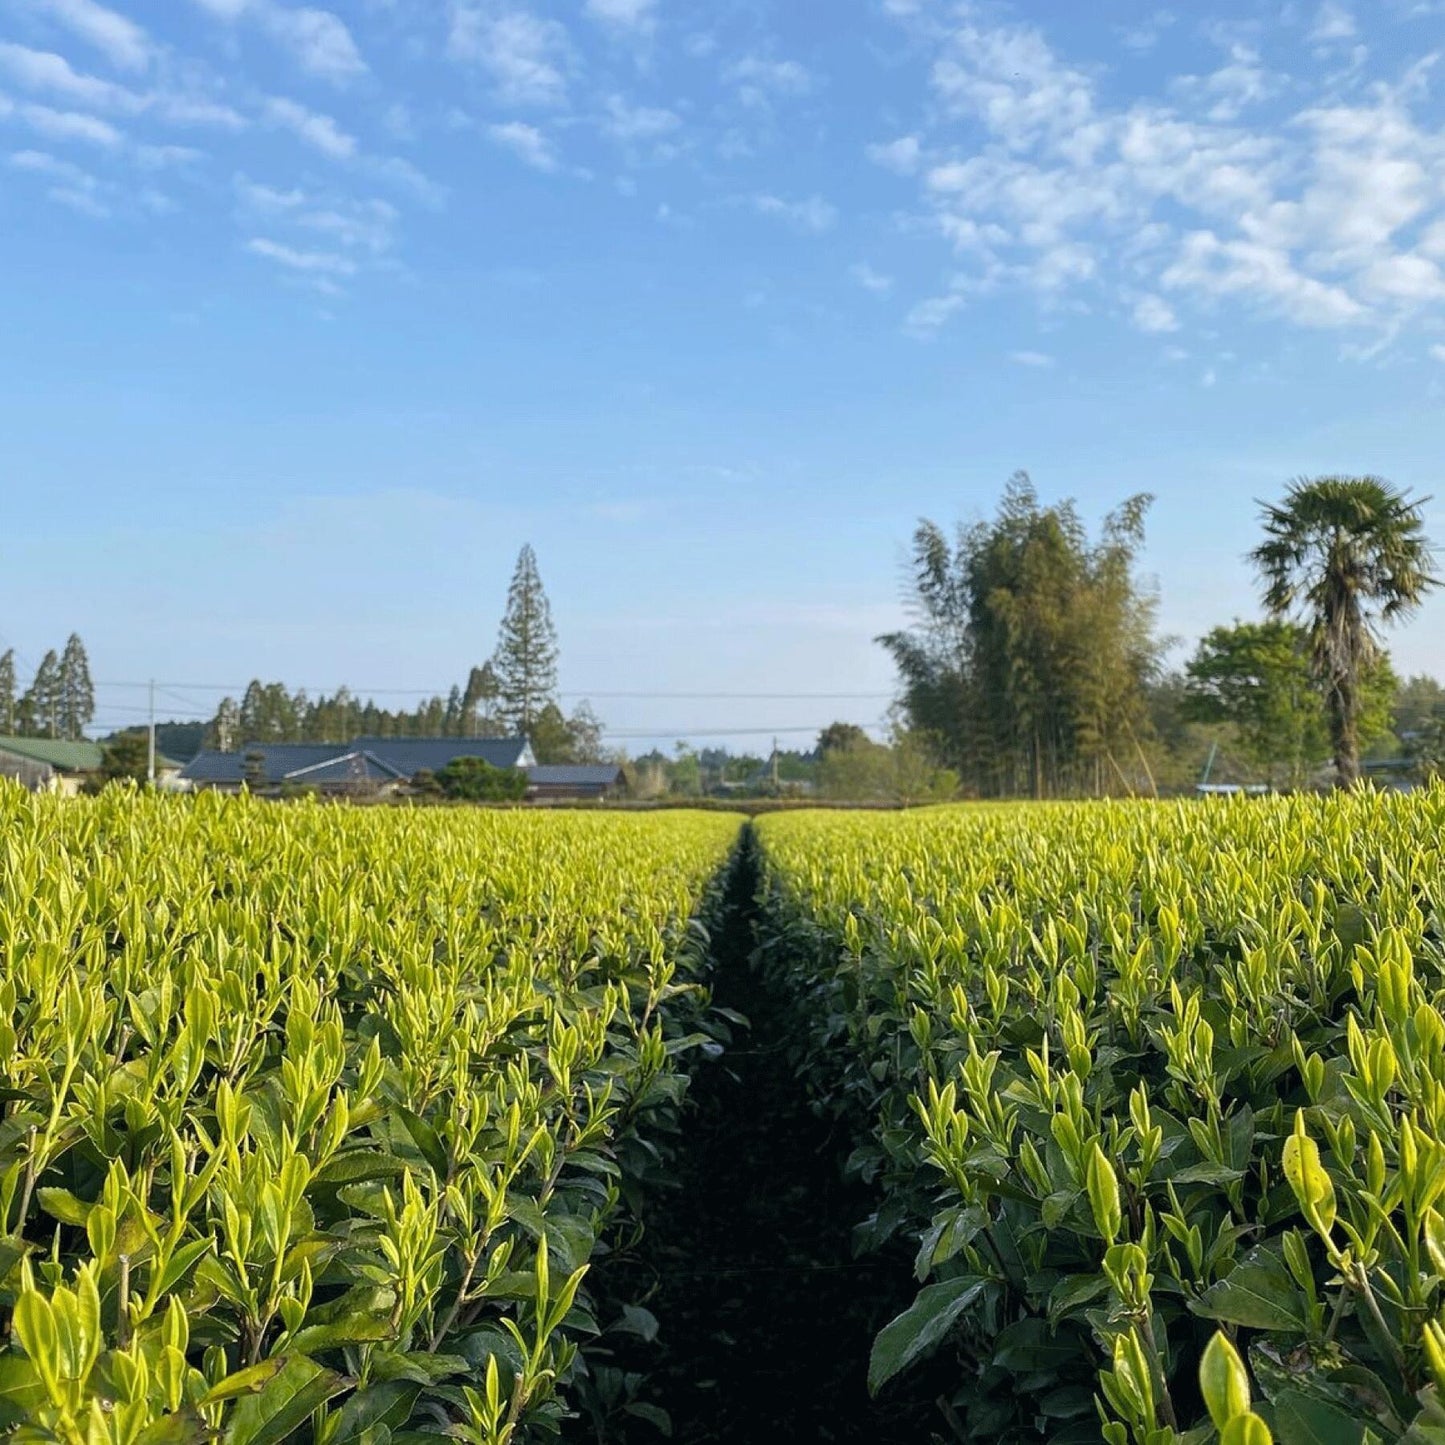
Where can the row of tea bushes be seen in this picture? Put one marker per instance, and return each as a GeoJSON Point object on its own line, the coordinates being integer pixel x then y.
{"type": "Point", "coordinates": [1159, 1093]}
{"type": "Point", "coordinates": [313, 1116]}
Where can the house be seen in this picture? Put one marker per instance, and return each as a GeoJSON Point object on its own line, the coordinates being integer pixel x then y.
{"type": "Point", "coordinates": [553, 782]}
{"type": "Point", "coordinates": [48, 764]}
{"type": "Point", "coordinates": [364, 765]}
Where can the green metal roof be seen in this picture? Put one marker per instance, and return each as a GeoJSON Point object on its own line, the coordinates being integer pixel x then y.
{"type": "Point", "coordinates": [81, 757]}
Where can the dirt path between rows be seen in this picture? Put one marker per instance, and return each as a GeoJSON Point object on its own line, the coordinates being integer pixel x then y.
{"type": "Point", "coordinates": [765, 1318]}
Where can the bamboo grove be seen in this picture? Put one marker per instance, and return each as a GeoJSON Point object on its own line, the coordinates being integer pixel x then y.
{"type": "Point", "coordinates": [314, 1117]}
{"type": "Point", "coordinates": [1158, 1093]}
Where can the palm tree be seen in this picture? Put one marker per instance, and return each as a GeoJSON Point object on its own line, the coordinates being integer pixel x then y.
{"type": "Point", "coordinates": [1343, 553]}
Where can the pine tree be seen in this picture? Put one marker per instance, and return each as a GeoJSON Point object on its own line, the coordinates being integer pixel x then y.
{"type": "Point", "coordinates": [41, 704]}
{"type": "Point", "coordinates": [8, 700]}
{"type": "Point", "coordinates": [76, 693]}
{"type": "Point", "coordinates": [525, 662]}
{"type": "Point", "coordinates": [479, 701]}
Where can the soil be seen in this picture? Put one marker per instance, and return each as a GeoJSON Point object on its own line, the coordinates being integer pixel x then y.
{"type": "Point", "coordinates": [765, 1318]}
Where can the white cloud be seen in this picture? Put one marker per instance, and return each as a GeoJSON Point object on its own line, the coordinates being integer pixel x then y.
{"type": "Point", "coordinates": [525, 55]}
{"type": "Point", "coordinates": [322, 263]}
{"type": "Point", "coordinates": [365, 225]}
{"type": "Point", "coordinates": [628, 13]}
{"type": "Point", "coordinates": [525, 142]}
{"type": "Point", "coordinates": [812, 214]}
{"type": "Point", "coordinates": [197, 110]}
{"type": "Point", "coordinates": [1438, 352]}
{"type": "Point", "coordinates": [1030, 358]}
{"type": "Point", "coordinates": [40, 70]}
{"type": "Point", "coordinates": [1235, 86]}
{"type": "Point", "coordinates": [869, 279]}
{"type": "Point", "coordinates": [68, 125]}
{"type": "Point", "coordinates": [258, 197]}
{"type": "Point", "coordinates": [160, 157]}
{"type": "Point", "coordinates": [80, 200]}
{"type": "Point", "coordinates": [928, 316]}
{"type": "Point", "coordinates": [71, 186]}
{"type": "Point", "coordinates": [1262, 273]}
{"type": "Point", "coordinates": [900, 156]}
{"type": "Point", "coordinates": [1333, 217]}
{"type": "Point", "coordinates": [1333, 24]}
{"type": "Point", "coordinates": [318, 131]}
{"type": "Point", "coordinates": [759, 79]}
{"type": "Point", "coordinates": [1154, 314]}
{"type": "Point", "coordinates": [121, 40]}
{"type": "Point", "coordinates": [316, 40]}
{"type": "Point", "coordinates": [630, 123]}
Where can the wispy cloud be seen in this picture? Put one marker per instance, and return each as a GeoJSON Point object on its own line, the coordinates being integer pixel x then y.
{"type": "Point", "coordinates": [1333, 23]}
{"type": "Point", "coordinates": [1320, 218]}
{"type": "Point", "coordinates": [630, 123]}
{"type": "Point", "coordinates": [630, 14]}
{"type": "Point", "coordinates": [317, 41]}
{"type": "Point", "coordinates": [901, 156]}
{"type": "Point", "coordinates": [812, 214]}
{"type": "Point", "coordinates": [1031, 358]}
{"type": "Point", "coordinates": [869, 279]}
{"type": "Point", "coordinates": [525, 142]}
{"type": "Point", "coordinates": [65, 125]}
{"type": "Point", "coordinates": [1154, 314]}
{"type": "Point", "coordinates": [40, 70]}
{"type": "Point", "coordinates": [760, 79]}
{"type": "Point", "coordinates": [320, 132]}
{"type": "Point", "coordinates": [323, 268]}
{"type": "Point", "coordinates": [525, 56]}
{"type": "Point", "coordinates": [120, 39]}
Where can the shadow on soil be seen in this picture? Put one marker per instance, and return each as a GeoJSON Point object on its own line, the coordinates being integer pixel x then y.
{"type": "Point", "coordinates": [765, 1318]}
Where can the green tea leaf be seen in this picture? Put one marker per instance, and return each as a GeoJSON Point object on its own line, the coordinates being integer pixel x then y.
{"type": "Point", "coordinates": [919, 1328]}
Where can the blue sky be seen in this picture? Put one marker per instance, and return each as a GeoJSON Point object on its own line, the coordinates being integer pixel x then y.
{"type": "Point", "coordinates": [313, 317]}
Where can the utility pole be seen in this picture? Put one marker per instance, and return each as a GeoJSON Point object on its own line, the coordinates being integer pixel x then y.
{"type": "Point", "coordinates": [775, 767]}
{"type": "Point", "coordinates": [151, 741]}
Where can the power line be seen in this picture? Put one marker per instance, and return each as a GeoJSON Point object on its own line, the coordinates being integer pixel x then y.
{"type": "Point", "coordinates": [610, 696]}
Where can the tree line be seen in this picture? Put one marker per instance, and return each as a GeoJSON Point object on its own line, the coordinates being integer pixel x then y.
{"type": "Point", "coordinates": [60, 701]}
{"type": "Point", "coordinates": [1033, 666]}
{"type": "Point", "coordinates": [514, 692]}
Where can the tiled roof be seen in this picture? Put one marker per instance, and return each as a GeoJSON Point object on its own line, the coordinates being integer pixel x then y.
{"type": "Point", "coordinates": [79, 757]}
{"type": "Point", "coordinates": [376, 759]}
{"type": "Point", "coordinates": [574, 775]}
{"type": "Point", "coordinates": [412, 755]}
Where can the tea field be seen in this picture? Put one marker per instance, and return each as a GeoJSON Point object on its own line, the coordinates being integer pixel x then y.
{"type": "Point", "coordinates": [1063, 1122]}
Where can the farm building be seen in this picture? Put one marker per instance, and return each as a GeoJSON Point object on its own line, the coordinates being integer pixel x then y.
{"type": "Point", "coordinates": [574, 780]}
{"type": "Point", "coordinates": [380, 765]}
{"type": "Point", "coordinates": [47, 764]}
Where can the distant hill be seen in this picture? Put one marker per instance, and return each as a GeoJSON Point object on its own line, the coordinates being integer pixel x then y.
{"type": "Point", "coordinates": [178, 740]}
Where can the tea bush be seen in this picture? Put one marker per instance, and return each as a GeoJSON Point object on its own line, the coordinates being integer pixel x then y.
{"type": "Point", "coordinates": [1159, 1090]}
{"type": "Point", "coordinates": [313, 1117]}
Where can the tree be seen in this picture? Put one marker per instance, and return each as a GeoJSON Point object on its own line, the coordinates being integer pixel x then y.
{"type": "Point", "coordinates": [1031, 648]}
{"type": "Point", "coordinates": [1343, 555]}
{"type": "Point", "coordinates": [584, 731]}
{"type": "Point", "coordinates": [75, 692]}
{"type": "Point", "coordinates": [1256, 677]}
{"type": "Point", "coordinates": [41, 704]}
{"type": "Point", "coordinates": [477, 781]}
{"type": "Point", "coordinates": [8, 701]}
{"type": "Point", "coordinates": [224, 731]}
{"type": "Point", "coordinates": [479, 701]}
{"type": "Point", "coordinates": [1419, 704]}
{"type": "Point", "coordinates": [838, 736]}
{"type": "Point", "coordinates": [525, 663]}
{"type": "Point", "coordinates": [127, 755]}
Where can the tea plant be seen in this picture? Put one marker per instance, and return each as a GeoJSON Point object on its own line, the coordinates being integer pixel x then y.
{"type": "Point", "coordinates": [1159, 1090]}
{"type": "Point", "coordinates": [313, 1117]}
